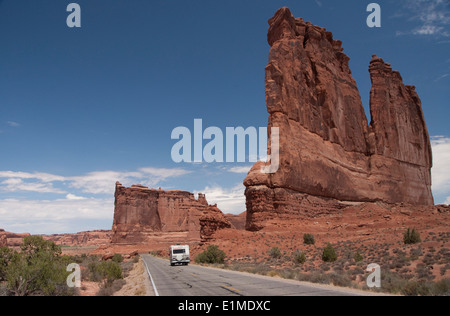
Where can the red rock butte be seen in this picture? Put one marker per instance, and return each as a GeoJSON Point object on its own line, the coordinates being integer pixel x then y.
{"type": "Point", "coordinates": [144, 215]}
{"type": "Point", "coordinates": [328, 152]}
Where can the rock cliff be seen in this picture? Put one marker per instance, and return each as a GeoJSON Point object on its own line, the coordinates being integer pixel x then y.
{"type": "Point", "coordinates": [328, 151]}
{"type": "Point", "coordinates": [86, 238]}
{"type": "Point", "coordinates": [142, 214]}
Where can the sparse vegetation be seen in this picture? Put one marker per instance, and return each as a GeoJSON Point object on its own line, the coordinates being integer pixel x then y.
{"type": "Point", "coordinates": [211, 255]}
{"type": "Point", "coordinates": [275, 253]}
{"type": "Point", "coordinates": [329, 254]}
{"type": "Point", "coordinates": [299, 257]}
{"type": "Point", "coordinates": [411, 236]}
{"type": "Point", "coordinates": [358, 257]}
{"type": "Point", "coordinates": [405, 269]}
{"type": "Point", "coordinates": [38, 269]}
{"type": "Point", "coordinates": [308, 239]}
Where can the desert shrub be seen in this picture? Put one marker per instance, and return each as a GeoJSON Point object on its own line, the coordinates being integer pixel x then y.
{"type": "Point", "coordinates": [108, 288]}
{"type": "Point", "coordinates": [105, 270]}
{"type": "Point", "coordinates": [38, 269]}
{"type": "Point", "coordinates": [392, 282]}
{"type": "Point", "coordinates": [329, 254]}
{"type": "Point", "coordinates": [319, 277]}
{"type": "Point", "coordinates": [275, 253]}
{"type": "Point", "coordinates": [308, 239]}
{"type": "Point", "coordinates": [441, 288]}
{"type": "Point", "coordinates": [358, 257]}
{"type": "Point", "coordinates": [299, 257]}
{"type": "Point", "coordinates": [415, 288]}
{"type": "Point", "coordinates": [117, 258]}
{"type": "Point", "coordinates": [211, 255]}
{"type": "Point", "coordinates": [416, 253]}
{"type": "Point", "coordinates": [411, 236]}
{"type": "Point", "coordinates": [6, 255]}
{"type": "Point", "coordinates": [340, 279]}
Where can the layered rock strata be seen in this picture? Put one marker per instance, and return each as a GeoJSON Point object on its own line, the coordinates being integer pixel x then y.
{"type": "Point", "coordinates": [142, 214]}
{"type": "Point", "coordinates": [328, 152]}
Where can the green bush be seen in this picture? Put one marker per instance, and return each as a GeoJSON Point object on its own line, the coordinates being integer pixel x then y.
{"type": "Point", "coordinates": [105, 270]}
{"type": "Point", "coordinates": [6, 256]}
{"type": "Point", "coordinates": [441, 288]}
{"type": "Point", "coordinates": [37, 269]}
{"type": "Point", "coordinates": [358, 257]}
{"type": "Point", "coordinates": [117, 258]}
{"type": "Point", "coordinates": [411, 236]}
{"type": "Point", "coordinates": [415, 288]}
{"type": "Point", "coordinates": [299, 257]}
{"type": "Point", "coordinates": [211, 255]}
{"type": "Point", "coordinates": [308, 239]}
{"type": "Point", "coordinates": [329, 254]}
{"type": "Point", "coordinates": [275, 253]}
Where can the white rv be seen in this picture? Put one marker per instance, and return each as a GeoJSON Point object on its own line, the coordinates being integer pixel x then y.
{"type": "Point", "coordinates": [179, 255]}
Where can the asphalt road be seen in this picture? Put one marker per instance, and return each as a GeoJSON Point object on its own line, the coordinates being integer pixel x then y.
{"type": "Point", "coordinates": [196, 280]}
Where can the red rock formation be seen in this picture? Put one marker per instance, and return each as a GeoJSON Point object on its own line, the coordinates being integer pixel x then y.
{"type": "Point", "coordinates": [238, 221]}
{"type": "Point", "coordinates": [212, 221]}
{"type": "Point", "coordinates": [328, 151]}
{"type": "Point", "coordinates": [87, 238]}
{"type": "Point", "coordinates": [14, 239]}
{"type": "Point", "coordinates": [142, 214]}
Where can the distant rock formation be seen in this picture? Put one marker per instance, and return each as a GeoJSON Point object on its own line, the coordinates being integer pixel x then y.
{"type": "Point", "coordinates": [328, 151]}
{"type": "Point", "coordinates": [86, 238]}
{"type": "Point", "coordinates": [14, 239]}
{"type": "Point", "coordinates": [142, 214]}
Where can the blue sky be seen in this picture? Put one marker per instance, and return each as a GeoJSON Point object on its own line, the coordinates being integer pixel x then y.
{"type": "Point", "coordinates": [81, 108]}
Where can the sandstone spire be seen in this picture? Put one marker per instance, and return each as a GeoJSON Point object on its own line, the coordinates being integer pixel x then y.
{"type": "Point", "coordinates": [328, 151]}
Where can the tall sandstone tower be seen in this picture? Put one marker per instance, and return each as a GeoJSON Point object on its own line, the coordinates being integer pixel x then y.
{"type": "Point", "coordinates": [328, 151]}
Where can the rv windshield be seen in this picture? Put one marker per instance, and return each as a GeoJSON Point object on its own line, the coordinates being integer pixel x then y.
{"type": "Point", "coordinates": [178, 251]}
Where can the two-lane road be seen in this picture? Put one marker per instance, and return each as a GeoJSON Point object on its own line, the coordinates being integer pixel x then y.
{"type": "Point", "coordinates": [195, 280]}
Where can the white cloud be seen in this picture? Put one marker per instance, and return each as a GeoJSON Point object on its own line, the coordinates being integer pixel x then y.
{"type": "Point", "coordinates": [74, 197]}
{"type": "Point", "coordinates": [15, 184]}
{"type": "Point", "coordinates": [102, 182]}
{"type": "Point", "coordinates": [441, 165]}
{"type": "Point", "coordinates": [428, 30]}
{"type": "Point", "coordinates": [244, 169]}
{"type": "Point", "coordinates": [432, 17]}
{"type": "Point", "coordinates": [44, 177]}
{"type": "Point", "coordinates": [58, 216]}
{"type": "Point", "coordinates": [228, 200]}
{"type": "Point", "coordinates": [447, 201]}
{"type": "Point", "coordinates": [13, 124]}
{"type": "Point", "coordinates": [441, 77]}
{"type": "Point", "coordinates": [74, 212]}
{"type": "Point", "coordinates": [97, 182]}
{"type": "Point", "coordinates": [318, 3]}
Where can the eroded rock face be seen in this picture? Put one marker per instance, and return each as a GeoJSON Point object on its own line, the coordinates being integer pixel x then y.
{"type": "Point", "coordinates": [328, 151]}
{"type": "Point", "coordinates": [142, 213]}
{"type": "Point", "coordinates": [87, 238]}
